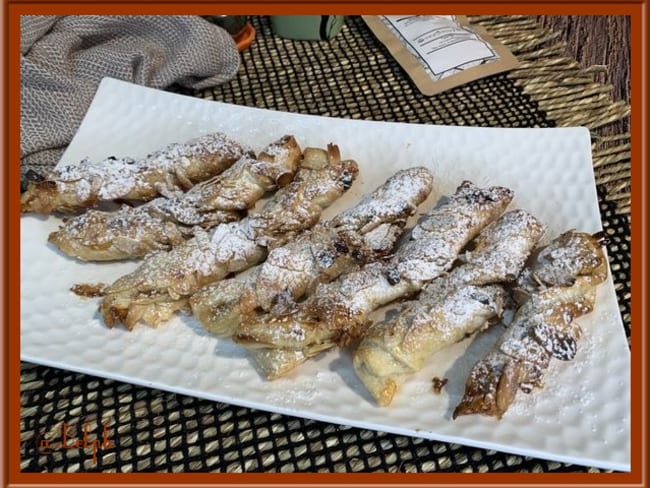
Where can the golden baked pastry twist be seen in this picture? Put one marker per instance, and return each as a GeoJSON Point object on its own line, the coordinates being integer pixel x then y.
{"type": "Point", "coordinates": [73, 188]}
{"type": "Point", "coordinates": [339, 311]}
{"type": "Point", "coordinates": [365, 232]}
{"type": "Point", "coordinates": [164, 222]}
{"type": "Point", "coordinates": [449, 309]}
{"type": "Point", "coordinates": [165, 281]}
{"type": "Point", "coordinates": [558, 287]}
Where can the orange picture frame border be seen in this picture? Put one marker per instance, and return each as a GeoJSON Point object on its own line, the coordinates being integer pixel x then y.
{"type": "Point", "coordinates": [10, 408]}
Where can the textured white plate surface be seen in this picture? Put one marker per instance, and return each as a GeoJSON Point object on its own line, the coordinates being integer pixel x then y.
{"type": "Point", "coordinates": [583, 414]}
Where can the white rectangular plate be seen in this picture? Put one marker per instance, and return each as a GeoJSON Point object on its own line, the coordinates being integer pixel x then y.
{"type": "Point", "coordinates": [583, 414]}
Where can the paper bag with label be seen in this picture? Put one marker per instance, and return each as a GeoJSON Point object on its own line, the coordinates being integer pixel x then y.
{"type": "Point", "coordinates": [440, 52]}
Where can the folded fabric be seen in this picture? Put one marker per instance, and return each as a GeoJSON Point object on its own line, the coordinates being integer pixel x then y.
{"type": "Point", "coordinates": [63, 59]}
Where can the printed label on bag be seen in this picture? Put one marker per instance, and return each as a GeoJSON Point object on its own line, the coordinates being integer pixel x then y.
{"type": "Point", "coordinates": [432, 48]}
{"type": "Point", "coordinates": [442, 45]}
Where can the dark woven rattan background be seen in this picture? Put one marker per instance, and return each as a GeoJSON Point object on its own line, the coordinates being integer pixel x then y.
{"type": "Point", "coordinates": [351, 77]}
{"type": "Point", "coordinates": [355, 77]}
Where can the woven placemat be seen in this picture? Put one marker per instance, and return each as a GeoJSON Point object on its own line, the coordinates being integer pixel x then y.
{"type": "Point", "coordinates": [353, 77]}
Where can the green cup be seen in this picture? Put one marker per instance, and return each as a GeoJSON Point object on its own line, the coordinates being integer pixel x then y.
{"type": "Point", "coordinates": [307, 27]}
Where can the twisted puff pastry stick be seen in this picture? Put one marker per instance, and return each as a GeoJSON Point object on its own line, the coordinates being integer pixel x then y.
{"type": "Point", "coordinates": [449, 308]}
{"type": "Point", "coordinates": [165, 222]}
{"type": "Point", "coordinates": [364, 232]}
{"type": "Point", "coordinates": [165, 281]}
{"type": "Point", "coordinates": [560, 286]}
{"type": "Point", "coordinates": [73, 188]}
{"type": "Point", "coordinates": [339, 311]}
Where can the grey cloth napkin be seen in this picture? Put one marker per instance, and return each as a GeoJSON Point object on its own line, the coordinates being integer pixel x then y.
{"type": "Point", "coordinates": [63, 59]}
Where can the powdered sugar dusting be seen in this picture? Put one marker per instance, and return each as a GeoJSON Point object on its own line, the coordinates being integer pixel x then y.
{"type": "Point", "coordinates": [230, 247]}
{"type": "Point", "coordinates": [165, 221]}
{"type": "Point", "coordinates": [543, 326]}
{"type": "Point", "coordinates": [301, 394]}
{"type": "Point", "coordinates": [395, 200]}
{"type": "Point", "coordinates": [125, 177]}
{"type": "Point", "coordinates": [436, 241]}
{"type": "Point", "coordinates": [347, 302]}
{"type": "Point", "coordinates": [501, 250]}
{"type": "Point", "coordinates": [571, 255]}
{"type": "Point", "coordinates": [371, 227]}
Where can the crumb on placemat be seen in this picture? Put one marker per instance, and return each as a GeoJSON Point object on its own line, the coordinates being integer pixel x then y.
{"type": "Point", "coordinates": [89, 290]}
{"type": "Point", "coordinates": [438, 384]}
